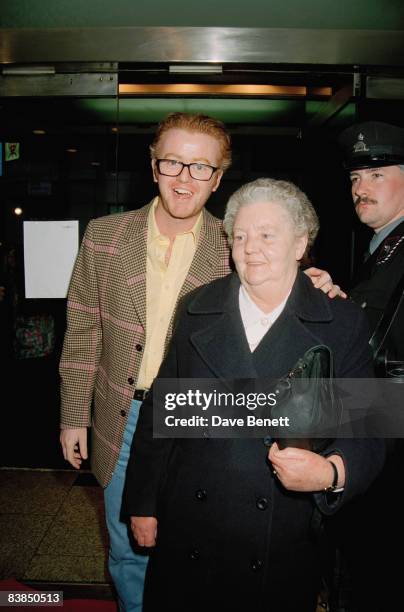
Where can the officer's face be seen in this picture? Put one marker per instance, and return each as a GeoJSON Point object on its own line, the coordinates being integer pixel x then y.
{"type": "Point", "coordinates": [378, 195]}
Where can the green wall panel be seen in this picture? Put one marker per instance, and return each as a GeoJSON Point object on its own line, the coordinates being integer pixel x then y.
{"type": "Point", "coordinates": [344, 14]}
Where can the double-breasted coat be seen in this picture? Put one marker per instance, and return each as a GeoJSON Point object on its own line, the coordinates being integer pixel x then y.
{"type": "Point", "coordinates": [230, 537]}
{"type": "Point", "coordinates": [106, 324]}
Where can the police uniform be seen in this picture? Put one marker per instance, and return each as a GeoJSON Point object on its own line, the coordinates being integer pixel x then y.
{"type": "Point", "coordinates": [372, 529]}
{"type": "Point", "coordinates": [375, 144]}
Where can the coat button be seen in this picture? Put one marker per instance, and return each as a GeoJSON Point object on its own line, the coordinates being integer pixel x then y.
{"type": "Point", "coordinates": [256, 565]}
{"type": "Point", "coordinates": [139, 347]}
{"type": "Point", "coordinates": [262, 503]}
{"type": "Point", "coordinates": [194, 555]}
{"type": "Point", "coordinates": [131, 380]}
{"type": "Point", "coordinates": [201, 494]}
{"type": "Point", "coordinates": [123, 412]}
{"type": "Point", "coordinates": [268, 441]}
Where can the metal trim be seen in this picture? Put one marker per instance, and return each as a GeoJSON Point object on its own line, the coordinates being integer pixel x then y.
{"type": "Point", "coordinates": [217, 45]}
{"type": "Point", "coordinates": [101, 84]}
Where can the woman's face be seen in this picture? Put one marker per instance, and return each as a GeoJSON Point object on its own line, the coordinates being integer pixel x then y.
{"type": "Point", "coordinates": [265, 247]}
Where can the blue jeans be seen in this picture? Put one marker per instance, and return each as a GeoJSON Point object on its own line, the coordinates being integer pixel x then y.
{"type": "Point", "coordinates": [126, 567]}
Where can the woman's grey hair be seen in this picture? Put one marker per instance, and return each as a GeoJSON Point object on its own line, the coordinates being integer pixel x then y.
{"type": "Point", "coordinates": [295, 203]}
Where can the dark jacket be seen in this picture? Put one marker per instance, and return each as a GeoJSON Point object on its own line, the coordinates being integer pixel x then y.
{"type": "Point", "coordinates": [376, 282]}
{"type": "Point", "coordinates": [230, 537]}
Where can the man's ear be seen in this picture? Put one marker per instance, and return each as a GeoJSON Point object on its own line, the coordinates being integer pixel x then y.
{"type": "Point", "coordinates": [218, 178]}
{"type": "Point", "coordinates": [154, 170]}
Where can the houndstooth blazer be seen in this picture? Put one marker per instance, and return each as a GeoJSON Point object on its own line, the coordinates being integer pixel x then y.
{"type": "Point", "coordinates": [106, 319]}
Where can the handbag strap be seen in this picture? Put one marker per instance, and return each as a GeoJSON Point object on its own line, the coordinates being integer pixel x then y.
{"type": "Point", "coordinates": [383, 327]}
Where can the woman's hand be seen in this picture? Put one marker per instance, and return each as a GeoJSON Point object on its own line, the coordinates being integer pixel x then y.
{"type": "Point", "coordinates": [302, 470]}
{"type": "Point", "coordinates": [144, 529]}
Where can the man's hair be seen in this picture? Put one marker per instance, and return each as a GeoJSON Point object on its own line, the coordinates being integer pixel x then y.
{"type": "Point", "coordinates": [201, 124]}
{"type": "Point", "coordinates": [292, 200]}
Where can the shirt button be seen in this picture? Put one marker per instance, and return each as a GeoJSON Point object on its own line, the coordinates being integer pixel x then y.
{"type": "Point", "coordinates": [201, 494]}
{"type": "Point", "coordinates": [139, 347]}
{"type": "Point", "coordinates": [131, 380]}
{"type": "Point", "coordinates": [267, 441]}
{"type": "Point", "coordinates": [264, 321]}
{"type": "Point", "coordinates": [123, 413]}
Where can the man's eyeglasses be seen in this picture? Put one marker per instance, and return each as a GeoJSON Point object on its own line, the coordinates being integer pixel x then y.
{"type": "Point", "coordinates": [172, 167]}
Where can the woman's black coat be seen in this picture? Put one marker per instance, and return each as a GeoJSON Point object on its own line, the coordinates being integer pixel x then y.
{"type": "Point", "coordinates": [230, 537]}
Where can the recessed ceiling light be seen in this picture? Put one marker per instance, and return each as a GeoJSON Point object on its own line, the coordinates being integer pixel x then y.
{"type": "Point", "coordinates": [17, 211]}
{"type": "Point", "coordinates": [196, 69]}
{"type": "Point", "coordinates": [95, 163]}
{"type": "Point", "coordinates": [38, 132]}
{"type": "Point", "coordinates": [71, 150]}
{"type": "Point", "coordinates": [114, 129]}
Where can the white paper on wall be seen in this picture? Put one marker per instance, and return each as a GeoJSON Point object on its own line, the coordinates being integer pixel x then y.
{"type": "Point", "coordinates": [50, 250]}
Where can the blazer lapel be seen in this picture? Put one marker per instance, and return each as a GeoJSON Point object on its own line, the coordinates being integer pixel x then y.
{"type": "Point", "coordinates": [133, 253]}
{"type": "Point", "coordinates": [206, 257]}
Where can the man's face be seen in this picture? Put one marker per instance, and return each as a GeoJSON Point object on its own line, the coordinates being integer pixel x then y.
{"type": "Point", "coordinates": [378, 195]}
{"type": "Point", "coordinates": [183, 197]}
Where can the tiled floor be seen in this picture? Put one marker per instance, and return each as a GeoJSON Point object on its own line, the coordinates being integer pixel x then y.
{"type": "Point", "coordinates": [52, 528]}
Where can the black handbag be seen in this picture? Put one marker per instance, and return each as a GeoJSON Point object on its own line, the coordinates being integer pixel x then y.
{"type": "Point", "coordinates": [307, 396]}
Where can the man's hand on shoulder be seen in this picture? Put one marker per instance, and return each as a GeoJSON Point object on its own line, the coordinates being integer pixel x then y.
{"type": "Point", "coordinates": [322, 280]}
{"type": "Point", "coordinates": [74, 445]}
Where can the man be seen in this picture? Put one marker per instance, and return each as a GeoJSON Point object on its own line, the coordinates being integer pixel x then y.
{"type": "Point", "coordinates": [131, 270]}
{"type": "Point", "coordinates": [374, 157]}
{"type": "Point", "coordinates": [373, 153]}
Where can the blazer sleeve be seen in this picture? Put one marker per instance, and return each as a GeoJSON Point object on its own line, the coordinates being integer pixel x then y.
{"type": "Point", "coordinates": [363, 457]}
{"type": "Point", "coordinates": [83, 339]}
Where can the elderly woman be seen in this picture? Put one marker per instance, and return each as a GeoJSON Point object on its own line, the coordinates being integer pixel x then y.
{"type": "Point", "coordinates": [231, 520]}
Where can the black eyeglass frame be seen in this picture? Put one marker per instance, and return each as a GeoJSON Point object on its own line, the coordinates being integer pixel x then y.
{"type": "Point", "coordinates": [183, 165]}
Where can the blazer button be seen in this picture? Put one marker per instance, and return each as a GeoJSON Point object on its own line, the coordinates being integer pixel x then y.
{"type": "Point", "coordinates": [194, 555]}
{"type": "Point", "coordinates": [262, 503]}
{"type": "Point", "coordinates": [256, 565]}
{"type": "Point", "coordinates": [139, 347]}
{"type": "Point", "coordinates": [123, 412]}
{"type": "Point", "coordinates": [131, 380]}
{"type": "Point", "coordinates": [268, 441]}
{"type": "Point", "coordinates": [201, 494]}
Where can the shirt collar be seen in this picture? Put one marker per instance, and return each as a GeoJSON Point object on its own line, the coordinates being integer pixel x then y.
{"type": "Point", "coordinates": [251, 313]}
{"type": "Point", "coordinates": [378, 237]}
{"type": "Point", "coordinates": [155, 233]}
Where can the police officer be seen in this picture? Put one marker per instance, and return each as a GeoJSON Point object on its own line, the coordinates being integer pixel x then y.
{"type": "Point", "coordinates": [374, 157]}
{"type": "Point", "coordinates": [373, 530]}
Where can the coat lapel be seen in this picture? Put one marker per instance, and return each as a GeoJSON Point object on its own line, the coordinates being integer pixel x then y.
{"type": "Point", "coordinates": [289, 337]}
{"type": "Point", "coordinates": [223, 344]}
{"type": "Point", "coordinates": [133, 254]}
